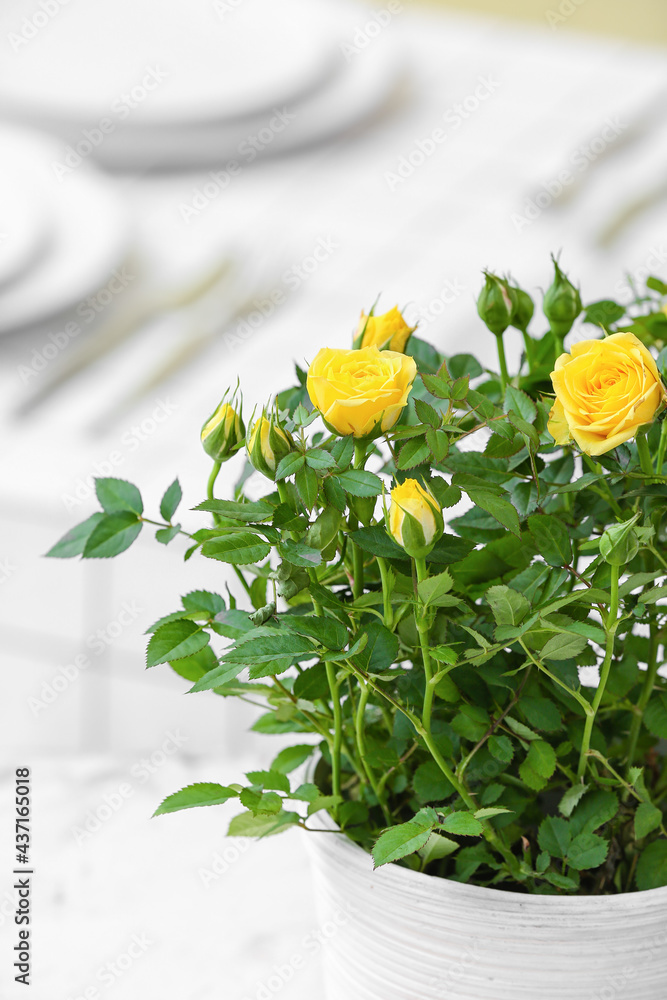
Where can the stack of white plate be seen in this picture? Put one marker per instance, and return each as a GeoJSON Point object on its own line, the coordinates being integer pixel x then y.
{"type": "Point", "coordinates": [138, 84]}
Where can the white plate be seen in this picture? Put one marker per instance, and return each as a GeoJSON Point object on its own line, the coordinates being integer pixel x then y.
{"type": "Point", "coordinates": [141, 62]}
{"type": "Point", "coordinates": [90, 231]}
{"type": "Point", "coordinates": [25, 228]}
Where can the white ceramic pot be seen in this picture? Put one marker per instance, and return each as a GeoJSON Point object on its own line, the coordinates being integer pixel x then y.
{"type": "Point", "coordinates": [397, 934]}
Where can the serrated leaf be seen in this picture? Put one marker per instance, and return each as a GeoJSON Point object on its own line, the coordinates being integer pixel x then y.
{"type": "Point", "coordinates": [508, 606]}
{"type": "Point", "coordinates": [413, 453]}
{"type": "Point", "coordinates": [399, 841]}
{"type": "Point", "coordinates": [239, 548]}
{"type": "Point", "coordinates": [551, 538]}
{"type": "Point", "coordinates": [521, 731]}
{"type": "Point", "coordinates": [655, 716]}
{"type": "Point", "coordinates": [554, 836]}
{"type": "Point", "coordinates": [501, 748]}
{"type": "Point", "coordinates": [488, 812]}
{"type": "Point", "coordinates": [175, 640]}
{"type": "Point", "coordinates": [652, 866]}
{"type": "Point", "coordinates": [166, 535]}
{"type": "Point", "coordinates": [307, 486]}
{"type": "Point", "coordinates": [360, 483]}
{"type": "Point", "coordinates": [595, 809]}
{"type": "Point", "coordinates": [430, 784]}
{"type": "Point", "coordinates": [289, 465]}
{"type": "Point", "coordinates": [462, 824]}
{"type": "Point", "coordinates": [434, 587]}
{"type": "Point", "coordinates": [518, 401]}
{"type": "Point", "coordinates": [203, 793]}
{"type": "Point", "coordinates": [427, 414]}
{"type": "Point", "coordinates": [171, 499]}
{"type": "Point", "coordinates": [647, 819]}
{"type": "Point", "coordinates": [74, 542]}
{"type": "Point", "coordinates": [571, 798]}
{"type": "Point", "coordinates": [587, 850]}
{"type": "Point", "coordinates": [335, 494]}
{"type": "Point", "coordinates": [320, 460]}
{"type": "Point", "coordinates": [563, 646]}
{"type": "Point", "coordinates": [436, 848]}
{"type": "Point", "coordinates": [542, 714]}
{"type": "Point", "coordinates": [542, 758]}
{"type": "Point", "coordinates": [259, 510]}
{"type": "Point", "coordinates": [113, 534]}
{"type": "Point", "coordinates": [117, 495]}
{"type": "Point", "coordinates": [246, 824]}
{"type": "Point", "coordinates": [261, 803]}
{"type": "Point", "coordinates": [292, 757]}
{"type": "Point", "coordinates": [203, 600]}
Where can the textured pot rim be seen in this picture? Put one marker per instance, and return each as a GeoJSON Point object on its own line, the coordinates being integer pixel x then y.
{"type": "Point", "coordinates": [407, 877]}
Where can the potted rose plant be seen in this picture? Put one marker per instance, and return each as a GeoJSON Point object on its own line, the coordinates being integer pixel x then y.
{"type": "Point", "coordinates": [480, 703]}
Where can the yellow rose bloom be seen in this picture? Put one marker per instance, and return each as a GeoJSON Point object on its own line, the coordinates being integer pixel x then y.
{"type": "Point", "coordinates": [605, 390]}
{"type": "Point", "coordinates": [388, 331]}
{"type": "Point", "coordinates": [360, 392]}
{"type": "Point", "coordinates": [415, 517]}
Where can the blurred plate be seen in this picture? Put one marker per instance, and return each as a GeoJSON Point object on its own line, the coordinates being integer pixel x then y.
{"type": "Point", "coordinates": [141, 62]}
{"type": "Point", "coordinates": [89, 236]}
{"type": "Point", "coordinates": [24, 226]}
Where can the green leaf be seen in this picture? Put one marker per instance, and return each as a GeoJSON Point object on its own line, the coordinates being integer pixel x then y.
{"type": "Point", "coordinates": [117, 495]}
{"type": "Point", "coordinates": [376, 541]}
{"type": "Point", "coordinates": [430, 784]}
{"type": "Point", "coordinates": [490, 811]}
{"type": "Point", "coordinates": [166, 535]}
{"type": "Point", "coordinates": [551, 538]}
{"type": "Point", "coordinates": [427, 414]}
{"type": "Point", "coordinates": [292, 757]}
{"type": "Point", "coordinates": [264, 645]}
{"type": "Point", "coordinates": [299, 554]}
{"type": "Point", "coordinates": [174, 641]}
{"type": "Point", "coordinates": [260, 510]}
{"type": "Point", "coordinates": [647, 819]}
{"type": "Point", "coordinates": [587, 850]}
{"type": "Point", "coordinates": [74, 542]}
{"type": "Point", "coordinates": [192, 668]}
{"type": "Point", "coordinates": [542, 758]}
{"type": "Point", "coordinates": [261, 803]}
{"type": "Point", "coordinates": [508, 607]}
{"type": "Point", "coordinates": [459, 365]}
{"type": "Point", "coordinates": [335, 494]}
{"type": "Point", "coordinates": [462, 824]}
{"type": "Point", "coordinates": [171, 499]}
{"type": "Point", "coordinates": [435, 587]}
{"type": "Point", "coordinates": [503, 511]}
{"type": "Point", "coordinates": [113, 534]}
{"type": "Point", "coordinates": [501, 748]}
{"type": "Point", "coordinates": [399, 841]}
{"type": "Point", "coordinates": [203, 600]}
{"type": "Point", "coordinates": [381, 648]}
{"type": "Point", "coordinates": [239, 548]}
{"type": "Point", "coordinates": [413, 453]}
{"type": "Point", "coordinates": [605, 313]}
{"type": "Point", "coordinates": [520, 403]}
{"type": "Point", "coordinates": [203, 793]}
{"type": "Point", "coordinates": [554, 836]}
{"type": "Point", "coordinates": [438, 387]}
{"type": "Point", "coordinates": [652, 866]}
{"type": "Point", "coordinates": [653, 595]}
{"type": "Point", "coordinates": [324, 629]}
{"type": "Point", "coordinates": [246, 824]}
{"type": "Point", "coordinates": [594, 810]}
{"type": "Point", "coordinates": [307, 486]}
{"type": "Point", "coordinates": [655, 716]}
{"type": "Point", "coordinates": [523, 732]}
{"type": "Point", "coordinates": [437, 847]}
{"type": "Point", "coordinates": [571, 798]}
{"type": "Point", "coordinates": [289, 465]}
{"type": "Point", "coordinates": [563, 646]}
{"type": "Point", "coordinates": [360, 483]}
{"type": "Point", "coordinates": [312, 683]}
{"type": "Point", "coordinates": [471, 722]}
{"type": "Point", "coordinates": [542, 714]}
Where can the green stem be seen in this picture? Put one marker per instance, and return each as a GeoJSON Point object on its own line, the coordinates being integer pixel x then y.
{"type": "Point", "coordinates": [650, 678]}
{"type": "Point", "coordinates": [502, 361]}
{"type": "Point", "coordinates": [357, 554]}
{"type": "Point", "coordinates": [528, 347]}
{"type": "Point", "coordinates": [423, 629]}
{"type": "Point", "coordinates": [361, 744]}
{"type": "Point", "coordinates": [644, 454]}
{"type": "Point", "coordinates": [662, 448]}
{"type": "Point", "coordinates": [216, 520]}
{"type": "Point", "coordinates": [212, 478]}
{"type": "Point", "coordinates": [334, 688]}
{"type": "Point", "coordinates": [386, 593]}
{"type": "Point", "coordinates": [610, 629]}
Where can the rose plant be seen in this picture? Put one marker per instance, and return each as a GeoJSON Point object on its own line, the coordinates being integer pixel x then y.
{"type": "Point", "coordinates": [455, 596]}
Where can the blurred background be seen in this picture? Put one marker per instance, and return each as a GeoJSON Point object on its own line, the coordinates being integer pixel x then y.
{"type": "Point", "coordinates": [195, 193]}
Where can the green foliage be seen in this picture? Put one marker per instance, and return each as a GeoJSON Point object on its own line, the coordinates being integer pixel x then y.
{"type": "Point", "coordinates": [439, 707]}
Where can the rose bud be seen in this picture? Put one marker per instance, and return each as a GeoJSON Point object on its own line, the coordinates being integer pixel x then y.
{"type": "Point", "coordinates": [496, 303]}
{"type": "Point", "coordinates": [224, 432]}
{"type": "Point", "coordinates": [524, 307]}
{"type": "Point", "coordinates": [388, 332]}
{"type": "Point", "coordinates": [268, 444]}
{"type": "Point", "coordinates": [415, 518]}
{"type": "Point", "coordinates": [562, 303]}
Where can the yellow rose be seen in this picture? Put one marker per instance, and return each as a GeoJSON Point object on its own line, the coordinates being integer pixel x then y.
{"type": "Point", "coordinates": [360, 392]}
{"type": "Point", "coordinates": [415, 518]}
{"type": "Point", "coordinates": [605, 390]}
{"type": "Point", "coordinates": [388, 331]}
